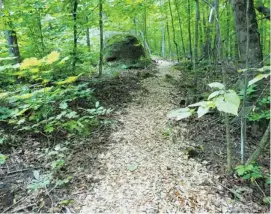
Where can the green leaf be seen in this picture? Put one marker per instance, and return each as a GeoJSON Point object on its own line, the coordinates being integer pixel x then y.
{"type": "Point", "coordinates": [241, 170]}
{"type": "Point", "coordinates": [3, 159]}
{"type": "Point", "coordinates": [97, 104]}
{"type": "Point", "coordinates": [202, 103]}
{"type": "Point", "coordinates": [216, 85]}
{"type": "Point", "coordinates": [258, 78]}
{"type": "Point", "coordinates": [232, 97]}
{"type": "Point", "coordinates": [214, 94]}
{"type": "Point", "coordinates": [72, 114]}
{"type": "Point", "coordinates": [202, 111]}
{"type": "Point", "coordinates": [49, 129]}
{"type": "Point", "coordinates": [179, 114]}
{"type": "Point", "coordinates": [227, 108]}
{"type": "Point", "coordinates": [2, 140]}
{"type": "Point", "coordinates": [267, 200]}
{"type": "Point", "coordinates": [63, 105]}
{"type": "Point", "coordinates": [57, 164]}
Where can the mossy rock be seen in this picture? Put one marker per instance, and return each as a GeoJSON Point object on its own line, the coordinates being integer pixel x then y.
{"type": "Point", "coordinates": [126, 51]}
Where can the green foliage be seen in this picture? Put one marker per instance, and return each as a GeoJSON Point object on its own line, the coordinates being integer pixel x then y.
{"type": "Point", "coordinates": [261, 107]}
{"type": "Point", "coordinates": [3, 159]}
{"type": "Point", "coordinates": [49, 105]}
{"type": "Point", "coordinates": [53, 178]}
{"type": "Point", "coordinates": [261, 110]}
{"type": "Point", "coordinates": [253, 172]}
{"type": "Point", "coordinates": [224, 100]}
{"type": "Point", "coordinates": [249, 172]}
{"type": "Point", "coordinates": [267, 200]}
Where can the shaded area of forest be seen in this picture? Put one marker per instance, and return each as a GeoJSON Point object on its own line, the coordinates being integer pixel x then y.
{"type": "Point", "coordinates": [60, 93]}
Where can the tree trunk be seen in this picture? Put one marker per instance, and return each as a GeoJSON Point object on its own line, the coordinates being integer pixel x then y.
{"type": "Point", "coordinates": [195, 58]}
{"type": "Point", "coordinates": [87, 35]}
{"type": "Point", "coordinates": [189, 31]}
{"type": "Point", "coordinates": [180, 26]}
{"type": "Point", "coordinates": [169, 45]}
{"type": "Point", "coordinates": [255, 56]}
{"type": "Point", "coordinates": [207, 45]}
{"type": "Point", "coordinates": [74, 16]}
{"type": "Point", "coordinates": [40, 30]}
{"type": "Point", "coordinates": [12, 40]}
{"type": "Point", "coordinates": [263, 143]}
{"type": "Point", "coordinates": [13, 45]}
{"type": "Point", "coordinates": [163, 42]}
{"type": "Point", "coordinates": [174, 33]}
{"type": "Point", "coordinates": [101, 37]}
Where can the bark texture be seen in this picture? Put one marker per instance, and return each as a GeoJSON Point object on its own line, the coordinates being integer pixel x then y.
{"type": "Point", "coordinates": [13, 44]}
{"type": "Point", "coordinates": [255, 56]}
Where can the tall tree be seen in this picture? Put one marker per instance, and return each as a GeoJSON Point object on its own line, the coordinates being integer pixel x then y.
{"type": "Point", "coordinates": [180, 25]}
{"type": "Point", "coordinates": [74, 15]}
{"type": "Point", "coordinates": [12, 39]}
{"type": "Point", "coordinates": [87, 35]}
{"type": "Point", "coordinates": [254, 54]}
{"type": "Point", "coordinates": [173, 31]}
{"type": "Point", "coordinates": [189, 30]}
{"type": "Point", "coordinates": [101, 36]}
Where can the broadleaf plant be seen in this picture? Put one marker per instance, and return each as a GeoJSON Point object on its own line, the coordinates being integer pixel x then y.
{"type": "Point", "coordinates": [226, 101]}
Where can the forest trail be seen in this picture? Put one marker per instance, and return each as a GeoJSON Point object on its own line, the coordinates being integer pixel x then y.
{"type": "Point", "coordinates": [146, 171]}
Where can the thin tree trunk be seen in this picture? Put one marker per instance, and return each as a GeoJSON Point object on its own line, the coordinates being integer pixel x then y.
{"type": "Point", "coordinates": [136, 27]}
{"type": "Point", "coordinates": [226, 116]}
{"type": "Point", "coordinates": [180, 26]}
{"type": "Point", "coordinates": [207, 44]}
{"type": "Point", "coordinates": [163, 42]}
{"type": "Point", "coordinates": [41, 33]}
{"type": "Point", "coordinates": [145, 32]}
{"type": "Point", "coordinates": [189, 31]}
{"type": "Point", "coordinates": [169, 45]}
{"type": "Point", "coordinates": [216, 49]}
{"type": "Point", "coordinates": [243, 116]}
{"type": "Point", "coordinates": [87, 35]}
{"type": "Point", "coordinates": [227, 39]}
{"type": "Point", "coordinates": [262, 145]}
{"type": "Point", "coordinates": [195, 58]}
{"type": "Point", "coordinates": [74, 15]}
{"type": "Point", "coordinates": [174, 33]}
{"type": "Point", "coordinates": [101, 37]}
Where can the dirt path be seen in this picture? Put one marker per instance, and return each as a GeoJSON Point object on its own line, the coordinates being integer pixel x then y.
{"type": "Point", "coordinates": [146, 170]}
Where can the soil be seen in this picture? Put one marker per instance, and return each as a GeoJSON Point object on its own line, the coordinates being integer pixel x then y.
{"type": "Point", "coordinates": [140, 163]}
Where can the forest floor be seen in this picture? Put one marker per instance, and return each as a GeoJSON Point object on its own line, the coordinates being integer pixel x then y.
{"type": "Point", "coordinates": [146, 167]}
{"type": "Point", "coordinates": [143, 163]}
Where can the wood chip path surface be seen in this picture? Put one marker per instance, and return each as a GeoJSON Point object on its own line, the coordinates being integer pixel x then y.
{"type": "Point", "coordinates": [146, 171]}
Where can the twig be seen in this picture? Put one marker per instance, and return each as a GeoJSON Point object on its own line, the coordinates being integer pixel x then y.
{"type": "Point", "coordinates": [260, 189]}
{"type": "Point", "coordinates": [48, 193]}
{"type": "Point", "coordinates": [20, 170]}
{"type": "Point", "coordinates": [22, 208]}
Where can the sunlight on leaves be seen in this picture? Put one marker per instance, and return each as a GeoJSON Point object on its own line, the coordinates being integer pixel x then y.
{"type": "Point", "coordinates": [258, 78]}
{"type": "Point", "coordinates": [179, 114]}
{"type": "Point", "coordinates": [52, 57]}
{"type": "Point", "coordinates": [216, 85]}
{"type": "Point", "coordinates": [70, 79]}
{"type": "Point", "coordinates": [30, 62]}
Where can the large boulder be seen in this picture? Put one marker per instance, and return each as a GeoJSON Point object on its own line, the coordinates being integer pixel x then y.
{"type": "Point", "coordinates": [126, 50]}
